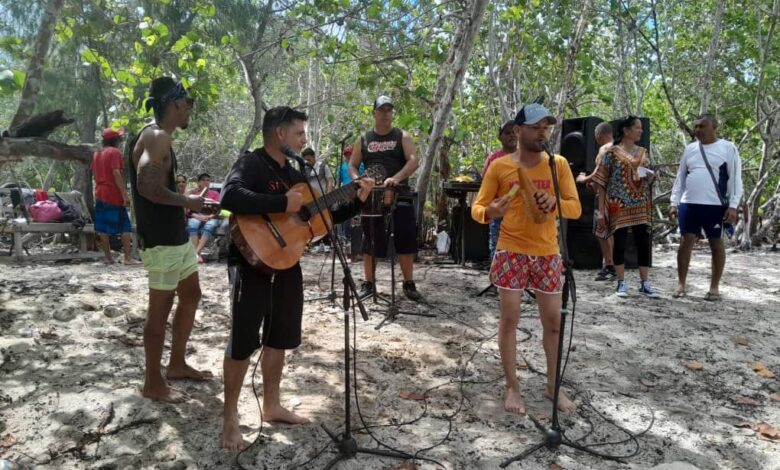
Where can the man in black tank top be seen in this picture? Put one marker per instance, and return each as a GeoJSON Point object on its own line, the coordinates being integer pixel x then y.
{"type": "Point", "coordinates": [166, 251]}
{"type": "Point", "coordinates": [393, 150]}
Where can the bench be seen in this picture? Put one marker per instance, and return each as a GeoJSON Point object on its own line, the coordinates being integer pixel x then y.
{"type": "Point", "coordinates": [16, 224]}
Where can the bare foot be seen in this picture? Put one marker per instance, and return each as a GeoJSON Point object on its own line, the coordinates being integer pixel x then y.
{"type": "Point", "coordinates": [679, 292]}
{"type": "Point", "coordinates": [564, 404]}
{"type": "Point", "coordinates": [166, 394]}
{"type": "Point", "coordinates": [279, 414]}
{"type": "Point", "coordinates": [514, 402]}
{"type": "Point", "coordinates": [130, 261]}
{"type": "Point", "coordinates": [108, 261]}
{"type": "Point", "coordinates": [231, 436]}
{"type": "Point", "coordinates": [187, 372]}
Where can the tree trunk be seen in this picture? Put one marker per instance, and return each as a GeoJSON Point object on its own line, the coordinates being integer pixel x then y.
{"type": "Point", "coordinates": [89, 109]}
{"type": "Point", "coordinates": [492, 53]}
{"type": "Point", "coordinates": [32, 83]}
{"type": "Point", "coordinates": [252, 82]}
{"type": "Point", "coordinates": [571, 63]}
{"type": "Point", "coordinates": [448, 84]}
{"type": "Point", "coordinates": [711, 56]}
{"type": "Point", "coordinates": [442, 206]}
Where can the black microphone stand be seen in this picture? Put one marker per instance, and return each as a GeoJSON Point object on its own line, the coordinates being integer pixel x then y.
{"type": "Point", "coordinates": [332, 295]}
{"type": "Point", "coordinates": [392, 307]}
{"type": "Point", "coordinates": [553, 436]}
{"type": "Point", "coordinates": [346, 444]}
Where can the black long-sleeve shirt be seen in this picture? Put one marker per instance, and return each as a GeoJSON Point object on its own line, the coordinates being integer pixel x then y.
{"type": "Point", "coordinates": [257, 185]}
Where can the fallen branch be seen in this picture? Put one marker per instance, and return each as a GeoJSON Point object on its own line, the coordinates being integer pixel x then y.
{"type": "Point", "coordinates": [15, 149]}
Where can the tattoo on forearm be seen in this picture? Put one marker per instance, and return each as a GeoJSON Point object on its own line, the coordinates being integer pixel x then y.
{"type": "Point", "coordinates": [151, 185]}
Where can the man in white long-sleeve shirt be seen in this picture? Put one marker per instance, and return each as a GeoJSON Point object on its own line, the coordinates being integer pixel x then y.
{"type": "Point", "coordinates": [700, 205]}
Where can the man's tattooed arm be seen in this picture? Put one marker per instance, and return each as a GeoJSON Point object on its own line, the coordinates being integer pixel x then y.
{"type": "Point", "coordinates": [152, 173]}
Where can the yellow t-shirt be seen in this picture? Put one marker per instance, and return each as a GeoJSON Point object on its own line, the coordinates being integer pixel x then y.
{"type": "Point", "coordinates": [519, 233]}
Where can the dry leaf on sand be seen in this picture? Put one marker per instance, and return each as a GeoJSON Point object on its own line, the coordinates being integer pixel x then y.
{"type": "Point", "coordinates": [407, 395]}
{"type": "Point", "coordinates": [694, 365]}
{"type": "Point", "coordinates": [740, 340]}
{"type": "Point", "coordinates": [768, 432]}
{"type": "Point", "coordinates": [8, 440]}
{"type": "Point", "coordinates": [775, 396]}
{"type": "Point", "coordinates": [746, 401]}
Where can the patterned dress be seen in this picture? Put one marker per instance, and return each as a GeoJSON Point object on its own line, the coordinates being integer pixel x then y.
{"type": "Point", "coordinates": [628, 196]}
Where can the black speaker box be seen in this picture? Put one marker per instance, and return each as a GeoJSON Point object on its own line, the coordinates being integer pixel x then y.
{"type": "Point", "coordinates": [578, 143]}
{"type": "Point", "coordinates": [475, 236]}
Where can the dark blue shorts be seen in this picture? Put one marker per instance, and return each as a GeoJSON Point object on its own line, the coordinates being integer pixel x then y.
{"type": "Point", "coordinates": [698, 218]}
{"type": "Point", "coordinates": [111, 219]}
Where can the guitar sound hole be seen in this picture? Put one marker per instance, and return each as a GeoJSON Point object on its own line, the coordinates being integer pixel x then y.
{"type": "Point", "coordinates": [305, 213]}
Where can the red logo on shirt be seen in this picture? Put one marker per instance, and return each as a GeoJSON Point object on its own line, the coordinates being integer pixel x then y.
{"type": "Point", "coordinates": [381, 146]}
{"type": "Point", "coordinates": [542, 184]}
{"type": "Point", "coordinates": [276, 187]}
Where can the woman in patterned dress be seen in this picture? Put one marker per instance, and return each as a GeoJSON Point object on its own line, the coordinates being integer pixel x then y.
{"type": "Point", "coordinates": [623, 181]}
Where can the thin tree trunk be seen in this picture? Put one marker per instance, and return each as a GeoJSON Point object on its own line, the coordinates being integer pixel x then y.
{"type": "Point", "coordinates": [506, 112]}
{"type": "Point", "coordinates": [712, 52]}
{"type": "Point", "coordinates": [254, 86]}
{"type": "Point", "coordinates": [448, 85]}
{"type": "Point", "coordinates": [442, 206]}
{"type": "Point", "coordinates": [571, 63]}
{"type": "Point", "coordinates": [32, 83]}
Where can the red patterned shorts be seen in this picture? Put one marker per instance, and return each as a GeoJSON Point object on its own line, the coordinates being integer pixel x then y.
{"type": "Point", "coordinates": [515, 271]}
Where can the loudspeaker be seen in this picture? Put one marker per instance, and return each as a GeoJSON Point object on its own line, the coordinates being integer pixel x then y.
{"type": "Point", "coordinates": [588, 201]}
{"type": "Point", "coordinates": [645, 140]}
{"type": "Point", "coordinates": [578, 143]}
{"type": "Point", "coordinates": [474, 234]}
{"type": "Point", "coordinates": [584, 249]}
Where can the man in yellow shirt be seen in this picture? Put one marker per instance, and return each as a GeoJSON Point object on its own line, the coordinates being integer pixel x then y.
{"type": "Point", "coordinates": [527, 254]}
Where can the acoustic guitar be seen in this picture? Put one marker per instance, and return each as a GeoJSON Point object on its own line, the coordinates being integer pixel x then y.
{"type": "Point", "coordinates": [274, 242]}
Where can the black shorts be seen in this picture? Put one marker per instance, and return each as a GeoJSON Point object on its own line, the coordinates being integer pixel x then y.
{"type": "Point", "coordinates": [405, 232]}
{"type": "Point", "coordinates": [259, 299]}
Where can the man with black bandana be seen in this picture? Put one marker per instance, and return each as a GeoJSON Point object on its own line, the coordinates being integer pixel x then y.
{"type": "Point", "coordinates": [261, 182]}
{"type": "Point", "coordinates": [167, 254]}
{"type": "Point", "coordinates": [393, 150]}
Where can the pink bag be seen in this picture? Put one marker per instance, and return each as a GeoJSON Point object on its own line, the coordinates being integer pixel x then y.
{"type": "Point", "coordinates": [45, 211]}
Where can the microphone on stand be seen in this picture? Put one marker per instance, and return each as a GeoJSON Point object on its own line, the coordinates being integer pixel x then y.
{"type": "Point", "coordinates": [551, 156]}
{"type": "Point", "coordinates": [291, 154]}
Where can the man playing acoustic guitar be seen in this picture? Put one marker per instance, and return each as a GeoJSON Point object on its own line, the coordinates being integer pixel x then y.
{"type": "Point", "coordinates": [260, 182]}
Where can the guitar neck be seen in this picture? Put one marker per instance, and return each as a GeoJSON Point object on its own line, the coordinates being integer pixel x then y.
{"type": "Point", "coordinates": [336, 196]}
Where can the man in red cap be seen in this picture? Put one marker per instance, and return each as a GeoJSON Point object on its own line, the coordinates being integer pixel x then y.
{"type": "Point", "coordinates": [111, 197]}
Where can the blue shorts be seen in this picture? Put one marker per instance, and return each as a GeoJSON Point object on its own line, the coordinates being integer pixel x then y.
{"type": "Point", "coordinates": [698, 218]}
{"type": "Point", "coordinates": [111, 219]}
{"type": "Point", "coordinates": [206, 229]}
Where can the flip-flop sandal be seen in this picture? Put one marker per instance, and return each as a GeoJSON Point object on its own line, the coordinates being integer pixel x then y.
{"type": "Point", "coordinates": [712, 297]}
{"type": "Point", "coordinates": [679, 294]}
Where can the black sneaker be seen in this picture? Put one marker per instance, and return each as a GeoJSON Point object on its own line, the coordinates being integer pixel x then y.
{"type": "Point", "coordinates": [366, 289]}
{"type": "Point", "coordinates": [410, 290]}
{"type": "Point", "coordinates": [607, 273]}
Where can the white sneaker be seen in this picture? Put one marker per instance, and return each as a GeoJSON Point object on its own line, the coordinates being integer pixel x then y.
{"type": "Point", "coordinates": [622, 289]}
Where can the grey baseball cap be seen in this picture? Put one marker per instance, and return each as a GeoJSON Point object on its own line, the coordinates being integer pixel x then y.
{"type": "Point", "coordinates": [533, 113]}
{"type": "Point", "coordinates": [383, 100]}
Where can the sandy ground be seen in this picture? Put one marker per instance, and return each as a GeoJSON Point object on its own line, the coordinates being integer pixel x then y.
{"type": "Point", "coordinates": [72, 362]}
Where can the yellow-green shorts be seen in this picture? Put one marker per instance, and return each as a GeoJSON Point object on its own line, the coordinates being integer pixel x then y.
{"type": "Point", "coordinates": [167, 265]}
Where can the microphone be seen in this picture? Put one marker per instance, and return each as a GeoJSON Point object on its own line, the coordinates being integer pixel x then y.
{"type": "Point", "coordinates": [547, 150]}
{"type": "Point", "coordinates": [290, 153]}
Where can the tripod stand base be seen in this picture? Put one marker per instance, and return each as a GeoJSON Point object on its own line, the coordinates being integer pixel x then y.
{"type": "Point", "coordinates": [347, 448]}
{"type": "Point", "coordinates": [393, 312]}
{"type": "Point", "coordinates": [332, 297]}
{"type": "Point", "coordinates": [552, 439]}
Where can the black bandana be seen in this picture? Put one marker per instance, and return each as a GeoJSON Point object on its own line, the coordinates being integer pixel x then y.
{"type": "Point", "coordinates": [175, 93]}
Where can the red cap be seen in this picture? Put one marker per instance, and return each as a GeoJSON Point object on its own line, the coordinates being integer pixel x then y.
{"type": "Point", "coordinates": [348, 151]}
{"type": "Point", "coordinates": [111, 134]}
